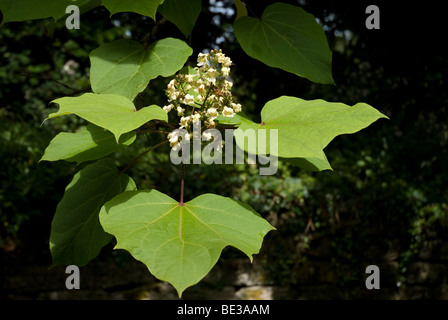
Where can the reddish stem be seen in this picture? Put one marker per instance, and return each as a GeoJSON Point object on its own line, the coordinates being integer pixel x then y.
{"type": "Point", "coordinates": [182, 181]}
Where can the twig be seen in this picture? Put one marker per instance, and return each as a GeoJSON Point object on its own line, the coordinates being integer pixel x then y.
{"type": "Point", "coordinates": [250, 9]}
{"type": "Point", "coordinates": [152, 131]}
{"type": "Point", "coordinates": [141, 155]}
{"type": "Point", "coordinates": [182, 182]}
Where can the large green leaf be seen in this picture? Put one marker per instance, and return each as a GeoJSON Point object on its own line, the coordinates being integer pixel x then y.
{"type": "Point", "coordinates": [112, 112]}
{"type": "Point", "coordinates": [76, 234]}
{"type": "Point", "coordinates": [89, 143]}
{"type": "Point", "coordinates": [125, 67]}
{"type": "Point", "coordinates": [21, 10]}
{"type": "Point", "coordinates": [289, 38]}
{"type": "Point", "coordinates": [305, 128]}
{"type": "Point", "coordinates": [182, 13]}
{"type": "Point", "coordinates": [143, 7]}
{"type": "Point", "coordinates": [181, 244]}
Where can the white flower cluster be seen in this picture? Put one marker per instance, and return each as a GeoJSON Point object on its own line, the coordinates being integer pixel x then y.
{"type": "Point", "coordinates": [201, 95]}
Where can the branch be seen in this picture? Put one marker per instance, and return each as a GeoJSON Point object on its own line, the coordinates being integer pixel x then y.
{"type": "Point", "coordinates": [141, 155]}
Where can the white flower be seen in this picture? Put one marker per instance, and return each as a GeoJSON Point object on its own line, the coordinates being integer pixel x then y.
{"type": "Point", "coordinates": [227, 85]}
{"type": "Point", "coordinates": [196, 118]}
{"type": "Point", "coordinates": [171, 84]}
{"type": "Point", "coordinates": [168, 108]}
{"type": "Point", "coordinates": [227, 62]}
{"type": "Point", "coordinates": [228, 112]}
{"type": "Point", "coordinates": [236, 107]}
{"type": "Point", "coordinates": [189, 99]}
{"type": "Point", "coordinates": [180, 111]}
{"type": "Point", "coordinates": [206, 136]}
{"type": "Point", "coordinates": [189, 78]}
{"type": "Point", "coordinates": [203, 58]}
{"type": "Point", "coordinates": [173, 137]}
{"type": "Point", "coordinates": [211, 75]}
{"type": "Point", "coordinates": [212, 113]}
{"type": "Point", "coordinates": [225, 71]}
{"type": "Point", "coordinates": [184, 121]}
{"type": "Point", "coordinates": [171, 91]}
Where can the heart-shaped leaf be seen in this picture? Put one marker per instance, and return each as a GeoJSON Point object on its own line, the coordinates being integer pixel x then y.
{"type": "Point", "coordinates": [143, 7]}
{"type": "Point", "coordinates": [125, 67]}
{"type": "Point", "coordinates": [289, 38]}
{"type": "Point", "coordinates": [89, 143]}
{"type": "Point", "coordinates": [76, 234]}
{"type": "Point", "coordinates": [182, 13]}
{"type": "Point", "coordinates": [305, 128]}
{"type": "Point", "coordinates": [110, 111]}
{"type": "Point", "coordinates": [181, 244]}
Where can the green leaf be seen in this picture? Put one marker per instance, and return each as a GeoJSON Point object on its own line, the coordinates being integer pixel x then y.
{"type": "Point", "coordinates": [289, 38]}
{"type": "Point", "coordinates": [89, 143]}
{"type": "Point", "coordinates": [310, 164]}
{"type": "Point", "coordinates": [237, 119]}
{"type": "Point", "coordinates": [181, 244]}
{"type": "Point", "coordinates": [143, 7]}
{"type": "Point", "coordinates": [22, 10]}
{"type": "Point", "coordinates": [112, 112]}
{"type": "Point", "coordinates": [240, 9]}
{"type": "Point", "coordinates": [76, 234]}
{"type": "Point", "coordinates": [305, 128]}
{"type": "Point", "coordinates": [182, 13]}
{"type": "Point", "coordinates": [125, 67]}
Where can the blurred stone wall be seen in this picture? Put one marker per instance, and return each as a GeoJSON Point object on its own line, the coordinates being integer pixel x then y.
{"type": "Point", "coordinates": [24, 276]}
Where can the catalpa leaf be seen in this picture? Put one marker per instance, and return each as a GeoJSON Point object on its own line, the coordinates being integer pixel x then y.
{"type": "Point", "coordinates": [110, 111]}
{"type": "Point", "coordinates": [22, 10]}
{"type": "Point", "coordinates": [182, 13]}
{"type": "Point", "coordinates": [143, 7]}
{"type": "Point", "coordinates": [125, 67]}
{"type": "Point", "coordinates": [289, 38]}
{"type": "Point", "coordinates": [304, 128]}
{"type": "Point", "coordinates": [76, 234]}
{"type": "Point", "coordinates": [89, 143]}
{"type": "Point", "coordinates": [181, 244]}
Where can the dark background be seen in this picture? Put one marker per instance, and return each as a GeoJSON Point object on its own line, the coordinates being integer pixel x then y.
{"type": "Point", "coordinates": [385, 203]}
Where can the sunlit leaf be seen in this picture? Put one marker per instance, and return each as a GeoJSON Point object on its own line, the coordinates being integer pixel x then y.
{"type": "Point", "coordinates": [125, 67]}
{"type": "Point", "coordinates": [89, 143]}
{"type": "Point", "coordinates": [305, 127]}
{"type": "Point", "coordinates": [112, 112]}
{"type": "Point", "coordinates": [181, 244]}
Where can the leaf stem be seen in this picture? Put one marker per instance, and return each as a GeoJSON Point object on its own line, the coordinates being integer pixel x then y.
{"type": "Point", "coordinates": [141, 155]}
{"type": "Point", "coordinates": [250, 10]}
{"type": "Point", "coordinates": [182, 183]}
{"type": "Point", "coordinates": [152, 131]}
